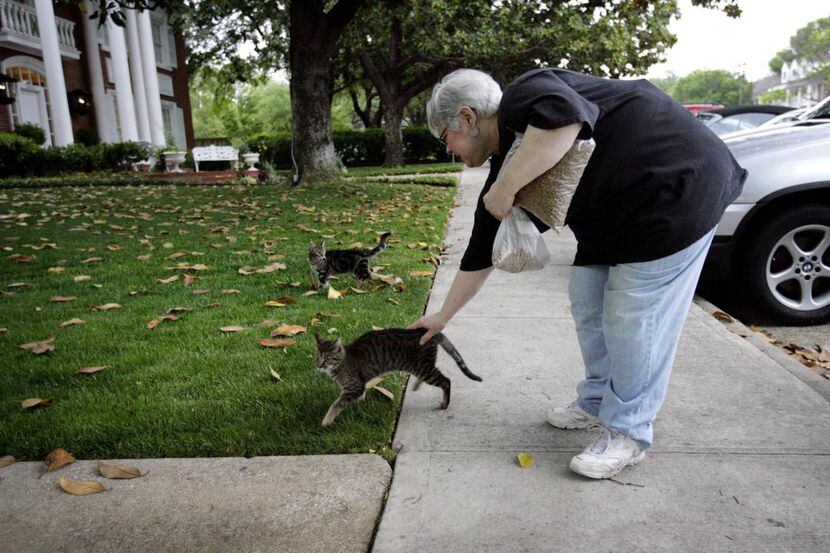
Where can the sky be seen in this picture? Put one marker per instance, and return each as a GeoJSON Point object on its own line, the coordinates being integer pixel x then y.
{"type": "Point", "coordinates": [708, 39]}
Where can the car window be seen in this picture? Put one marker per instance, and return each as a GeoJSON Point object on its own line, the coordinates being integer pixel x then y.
{"type": "Point", "coordinates": [753, 119]}
{"type": "Point", "coordinates": [819, 111]}
{"type": "Point", "coordinates": [725, 125]}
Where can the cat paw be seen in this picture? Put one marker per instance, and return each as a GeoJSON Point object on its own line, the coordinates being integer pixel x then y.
{"type": "Point", "coordinates": [444, 405]}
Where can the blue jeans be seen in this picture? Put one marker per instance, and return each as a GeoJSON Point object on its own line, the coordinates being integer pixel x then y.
{"type": "Point", "coordinates": [629, 318]}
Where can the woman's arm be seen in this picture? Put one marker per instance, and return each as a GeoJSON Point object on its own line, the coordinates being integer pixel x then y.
{"type": "Point", "coordinates": [539, 151]}
{"type": "Point", "coordinates": [464, 287]}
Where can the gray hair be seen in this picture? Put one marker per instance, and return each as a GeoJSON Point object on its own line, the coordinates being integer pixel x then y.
{"type": "Point", "coordinates": [463, 87]}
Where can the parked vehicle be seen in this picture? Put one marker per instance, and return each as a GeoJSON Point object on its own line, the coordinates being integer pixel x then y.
{"type": "Point", "coordinates": [737, 118]}
{"type": "Point", "coordinates": [700, 107]}
{"type": "Point", "coordinates": [785, 117]}
{"type": "Point", "coordinates": [774, 240]}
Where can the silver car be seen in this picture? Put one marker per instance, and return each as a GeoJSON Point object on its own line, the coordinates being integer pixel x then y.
{"type": "Point", "coordinates": [774, 240]}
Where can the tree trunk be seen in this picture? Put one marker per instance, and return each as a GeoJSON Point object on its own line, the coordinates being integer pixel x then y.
{"type": "Point", "coordinates": [392, 117]}
{"type": "Point", "coordinates": [313, 40]}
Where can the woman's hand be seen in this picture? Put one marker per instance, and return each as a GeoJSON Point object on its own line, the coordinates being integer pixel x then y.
{"type": "Point", "coordinates": [498, 202]}
{"type": "Point", "coordinates": [434, 324]}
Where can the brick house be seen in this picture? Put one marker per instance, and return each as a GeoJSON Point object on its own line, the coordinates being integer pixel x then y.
{"type": "Point", "coordinates": [135, 78]}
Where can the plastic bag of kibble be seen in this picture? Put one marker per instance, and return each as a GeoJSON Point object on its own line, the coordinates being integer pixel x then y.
{"type": "Point", "coordinates": [519, 245]}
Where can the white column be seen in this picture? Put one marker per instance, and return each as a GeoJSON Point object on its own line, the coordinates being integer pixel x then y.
{"type": "Point", "coordinates": [123, 87]}
{"type": "Point", "coordinates": [55, 84]}
{"type": "Point", "coordinates": [151, 80]}
{"type": "Point", "coordinates": [139, 93]}
{"type": "Point", "coordinates": [93, 59]}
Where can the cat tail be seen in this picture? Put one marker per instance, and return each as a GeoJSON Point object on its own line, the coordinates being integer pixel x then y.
{"type": "Point", "coordinates": [382, 246]}
{"type": "Point", "coordinates": [445, 343]}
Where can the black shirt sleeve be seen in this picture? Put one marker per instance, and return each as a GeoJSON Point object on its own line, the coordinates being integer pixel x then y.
{"type": "Point", "coordinates": [546, 102]}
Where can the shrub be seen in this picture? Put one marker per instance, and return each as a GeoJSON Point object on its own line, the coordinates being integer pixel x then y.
{"type": "Point", "coordinates": [31, 131]}
{"type": "Point", "coordinates": [18, 155]}
{"type": "Point", "coordinates": [87, 136]}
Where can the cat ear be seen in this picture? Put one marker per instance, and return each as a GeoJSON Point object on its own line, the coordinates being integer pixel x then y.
{"type": "Point", "coordinates": [322, 243]}
{"type": "Point", "coordinates": [317, 337]}
{"type": "Point", "coordinates": [338, 343]}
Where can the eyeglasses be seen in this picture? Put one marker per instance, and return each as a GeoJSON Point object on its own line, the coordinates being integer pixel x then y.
{"type": "Point", "coordinates": [443, 137]}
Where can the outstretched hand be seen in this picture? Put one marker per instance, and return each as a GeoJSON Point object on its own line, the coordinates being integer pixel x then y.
{"type": "Point", "coordinates": [434, 324]}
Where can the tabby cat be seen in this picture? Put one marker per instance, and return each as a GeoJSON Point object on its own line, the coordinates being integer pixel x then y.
{"type": "Point", "coordinates": [356, 261]}
{"type": "Point", "coordinates": [382, 351]}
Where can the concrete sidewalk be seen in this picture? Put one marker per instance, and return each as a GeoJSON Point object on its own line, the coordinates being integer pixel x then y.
{"type": "Point", "coordinates": [740, 462]}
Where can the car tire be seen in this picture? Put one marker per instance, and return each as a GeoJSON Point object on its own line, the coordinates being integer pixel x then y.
{"type": "Point", "coordinates": [787, 286]}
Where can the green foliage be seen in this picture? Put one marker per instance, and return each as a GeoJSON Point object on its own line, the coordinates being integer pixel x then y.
{"type": "Point", "coordinates": [666, 84]}
{"type": "Point", "coordinates": [87, 136]}
{"type": "Point", "coordinates": [713, 86]}
{"type": "Point", "coordinates": [31, 131]}
{"type": "Point", "coordinates": [358, 148]}
{"type": "Point", "coordinates": [811, 44]}
{"type": "Point", "coordinates": [21, 157]}
{"type": "Point", "coordinates": [773, 97]}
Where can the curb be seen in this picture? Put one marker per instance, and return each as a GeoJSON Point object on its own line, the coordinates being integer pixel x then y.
{"type": "Point", "coordinates": [818, 384]}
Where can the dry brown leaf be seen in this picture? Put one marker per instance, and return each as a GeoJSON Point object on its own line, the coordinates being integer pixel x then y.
{"type": "Point", "coordinates": [106, 307]}
{"type": "Point", "coordinates": [144, 257]}
{"type": "Point", "coordinates": [179, 310]}
{"type": "Point", "coordinates": [113, 247]}
{"type": "Point", "coordinates": [737, 331]}
{"type": "Point", "coordinates": [189, 279]}
{"type": "Point", "coordinates": [214, 304]}
{"type": "Point", "coordinates": [200, 292]}
{"type": "Point", "coordinates": [288, 330]}
{"type": "Point", "coordinates": [333, 294]}
{"type": "Point", "coordinates": [16, 284]}
{"type": "Point", "coordinates": [92, 259]}
{"type": "Point", "coordinates": [40, 347]}
{"type": "Point", "coordinates": [286, 299]}
{"type": "Point", "coordinates": [36, 402]}
{"type": "Point", "coordinates": [167, 280]}
{"type": "Point", "coordinates": [312, 282]}
{"type": "Point", "coordinates": [389, 395]}
{"type": "Point", "coordinates": [58, 458]}
{"type": "Point", "coordinates": [377, 327]}
{"type": "Point", "coordinates": [232, 328]}
{"type": "Point", "coordinates": [63, 298]}
{"type": "Point", "coordinates": [158, 320]}
{"type": "Point", "coordinates": [176, 255]}
{"type": "Point", "coordinates": [272, 267]}
{"type": "Point", "coordinates": [309, 293]}
{"type": "Point", "coordinates": [82, 278]}
{"type": "Point", "coordinates": [390, 300]}
{"type": "Point", "coordinates": [6, 460]}
{"type": "Point", "coordinates": [277, 342]}
{"type": "Point", "coordinates": [3, 329]}
{"type": "Point", "coordinates": [55, 269]}
{"type": "Point", "coordinates": [357, 290]}
{"type": "Point", "coordinates": [167, 245]}
{"type": "Point", "coordinates": [91, 370]}
{"type": "Point", "coordinates": [229, 291]}
{"type": "Point", "coordinates": [421, 273]}
{"type": "Point", "coordinates": [80, 488]}
{"type": "Point", "coordinates": [274, 374]}
{"type": "Point", "coordinates": [246, 271]}
{"type": "Point", "coordinates": [723, 317]}
{"type": "Point", "coordinates": [118, 471]}
{"type": "Point", "coordinates": [22, 258]}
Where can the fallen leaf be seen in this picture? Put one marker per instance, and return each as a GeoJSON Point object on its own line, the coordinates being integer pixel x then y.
{"type": "Point", "coordinates": [113, 247]}
{"type": "Point", "coordinates": [312, 282]}
{"type": "Point", "coordinates": [309, 293]}
{"type": "Point", "coordinates": [6, 461]}
{"type": "Point", "coordinates": [158, 320]}
{"type": "Point", "coordinates": [179, 310]}
{"type": "Point", "coordinates": [80, 488]}
{"type": "Point", "coordinates": [200, 292]}
{"type": "Point", "coordinates": [144, 257]}
{"type": "Point", "coordinates": [92, 260]}
{"type": "Point", "coordinates": [214, 304]}
{"type": "Point", "coordinates": [288, 330]}
{"type": "Point", "coordinates": [40, 347]}
{"type": "Point", "coordinates": [723, 317]}
{"type": "Point", "coordinates": [377, 327]}
{"type": "Point", "coordinates": [229, 291]}
{"type": "Point", "coordinates": [118, 471]}
{"type": "Point", "coordinates": [63, 298]}
{"type": "Point", "coordinates": [176, 255]}
{"type": "Point", "coordinates": [167, 245]}
{"type": "Point", "coordinates": [55, 269]}
{"type": "Point", "coordinates": [272, 267]}
{"type": "Point", "coordinates": [277, 342]}
{"type": "Point", "coordinates": [232, 328]}
{"type": "Point", "coordinates": [357, 290]}
{"type": "Point", "coordinates": [389, 395]}
{"type": "Point", "coordinates": [390, 300]}
{"type": "Point", "coordinates": [106, 307]}
{"type": "Point", "coordinates": [268, 322]}
{"type": "Point", "coordinates": [73, 321]}
{"type": "Point", "coordinates": [189, 279]}
{"type": "Point", "coordinates": [16, 284]}
{"type": "Point", "coordinates": [167, 280]}
{"type": "Point", "coordinates": [420, 273]}
{"type": "Point", "coordinates": [274, 374]}
{"type": "Point", "coordinates": [526, 460]}
{"type": "Point", "coordinates": [58, 458]}
{"type": "Point", "coordinates": [21, 258]}
{"type": "Point", "coordinates": [333, 294]}
{"type": "Point", "coordinates": [273, 303]}
{"type": "Point", "coordinates": [286, 299]}
{"type": "Point", "coordinates": [35, 402]}
{"type": "Point", "coordinates": [246, 271]}
{"type": "Point", "coordinates": [82, 278]}
{"type": "Point", "coordinates": [90, 370]}
{"type": "Point", "coordinates": [3, 329]}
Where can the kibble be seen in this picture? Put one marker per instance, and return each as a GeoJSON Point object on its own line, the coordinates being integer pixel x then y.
{"type": "Point", "coordinates": [516, 261]}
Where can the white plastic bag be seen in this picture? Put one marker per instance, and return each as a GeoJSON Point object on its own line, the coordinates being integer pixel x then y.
{"type": "Point", "coordinates": [519, 245]}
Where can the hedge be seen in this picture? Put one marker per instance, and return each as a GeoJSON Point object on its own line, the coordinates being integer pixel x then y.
{"type": "Point", "coordinates": [20, 156]}
{"type": "Point", "coordinates": [357, 148]}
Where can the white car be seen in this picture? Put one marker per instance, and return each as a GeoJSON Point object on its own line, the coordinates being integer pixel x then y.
{"type": "Point", "coordinates": [774, 240]}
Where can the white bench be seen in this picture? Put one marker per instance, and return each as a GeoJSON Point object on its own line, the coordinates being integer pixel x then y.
{"type": "Point", "coordinates": [215, 153]}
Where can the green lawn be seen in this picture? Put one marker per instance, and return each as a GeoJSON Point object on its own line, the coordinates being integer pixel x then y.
{"type": "Point", "coordinates": [185, 388]}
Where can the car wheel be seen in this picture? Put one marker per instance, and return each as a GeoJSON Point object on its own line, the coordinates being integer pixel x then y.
{"type": "Point", "coordinates": [788, 266]}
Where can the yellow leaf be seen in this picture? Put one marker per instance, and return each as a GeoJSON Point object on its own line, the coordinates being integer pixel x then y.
{"type": "Point", "coordinates": [390, 300]}
{"type": "Point", "coordinates": [63, 298]}
{"type": "Point", "coordinates": [275, 375]}
{"type": "Point", "coordinates": [55, 269]}
{"type": "Point", "coordinates": [420, 273]}
{"type": "Point", "coordinates": [35, 402]}
{"type": "Point", "coordinates": [333, 294]}
{"type": "Point", "coordinates": [82, 278]}
{"type": "Point", "coordinates": [90, 370]}
{"type": "Point", "coordinates": [232, 328]}
{"type": "Point", "coordinates": [92, 260]}
{"type": "Point", "coordinates": [80, 488]}
{"type": "Point", "coordinates": [309, 293]}
{"type": "Point", "coordinates": [176, 255]}
{"type": "Point", "coordinates": [273, 303]}
{"type": "Point", "coordinates": [118, 471]}
{"type": "Point", "coordinates": [288, 330]}
{"type": "Point", "coordinates": [16, 284]}
{"type": "Point", "coordinates": [106, 307]}
{"type": "Point", "coordinates": [167, 280]}
{"type": "Point", "coordinates": [229, 291]}
{"type": "Point", "coordinates": [375, 381]}
{"type": "Point", "coordinates": [357, 291]}
{"type": "Point", "coordinates": [71, 322]}
{"type": "Point", "coordinates": [526, 460]}
{"type": "Point", "coordinates": [58, 458]}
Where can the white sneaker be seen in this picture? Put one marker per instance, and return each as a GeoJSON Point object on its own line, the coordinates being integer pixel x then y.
{"type": "Point", "coordinates": [570, 417]}
{"type": "Point", "coordinates": [607, 455]}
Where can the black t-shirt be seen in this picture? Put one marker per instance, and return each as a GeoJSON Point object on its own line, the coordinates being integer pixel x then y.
{"type": "Point", "coordinates": [658, 179]}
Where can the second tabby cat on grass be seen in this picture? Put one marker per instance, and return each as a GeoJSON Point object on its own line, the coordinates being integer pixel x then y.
{"type": "Point", "coordinates": [355, 261]}
{"type": "Point", "coordinates": [382, 351]}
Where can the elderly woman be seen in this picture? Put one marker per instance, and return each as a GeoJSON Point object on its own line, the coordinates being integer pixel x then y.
{"type": "Point", "coordinates": [643, 214]}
